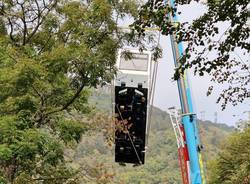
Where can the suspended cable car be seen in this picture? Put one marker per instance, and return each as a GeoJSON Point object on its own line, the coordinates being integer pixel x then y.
{"type": "Point", "coordinates": [132, 105]}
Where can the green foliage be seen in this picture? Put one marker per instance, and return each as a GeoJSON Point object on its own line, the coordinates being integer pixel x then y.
{"type": "Point", "coordinates": [70, 130]}
{"type": "Point", "coordinates": [21, 148]}
{"type": "Point", "coordinates": [51, 53]}
{"type": "Point", "coordinates": [232, 164]}
{"type": "Point", "coordinates": [5, 152]}
{"type": "Point", "coordinates": [161, 165]}
{"type": "Point", "coordinates": [241, 125]}
{"type": "Point", "coordinates": [210, 48]}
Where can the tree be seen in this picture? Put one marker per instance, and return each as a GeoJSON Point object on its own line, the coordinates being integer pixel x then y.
{"type": "Point", "coordinates": [241, 125]}
{"type": "Point", "coordinates": [207, 49]}
{"type": "Point", "coordinates": [51, 53]}
{"type": "Point", "coordinates": [232, 164]}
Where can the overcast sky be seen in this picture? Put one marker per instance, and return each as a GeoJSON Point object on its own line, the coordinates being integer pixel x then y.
{"type": "Point", "coordinates": [166, 94]}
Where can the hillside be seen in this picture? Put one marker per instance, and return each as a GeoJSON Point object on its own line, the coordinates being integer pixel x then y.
{"type": "Point", "coordinates": [161, 159]}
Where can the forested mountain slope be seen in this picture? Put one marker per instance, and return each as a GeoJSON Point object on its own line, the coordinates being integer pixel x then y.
{"type": "Point", "coordinates": [161, 159]}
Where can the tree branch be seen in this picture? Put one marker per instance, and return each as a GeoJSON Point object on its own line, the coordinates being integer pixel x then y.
{"type": "Point", "coordinates": [39, 94]}
{"type": "Point", "coordinates": [24, 23]}
{"type": "Point", "coordinates": [71, 101]}
{"type": "Point", "coordinates": [11, 30]}
{"type": "Point", "coordinates": [41, 17]}
{"type": "Point", "coordinates": [46, 43]}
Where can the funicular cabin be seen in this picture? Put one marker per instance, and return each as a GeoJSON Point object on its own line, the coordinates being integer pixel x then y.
{"type": "Point", "coordinates": [132, 90]}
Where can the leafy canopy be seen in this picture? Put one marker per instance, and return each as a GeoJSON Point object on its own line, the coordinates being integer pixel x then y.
{"type": "Point", "coordinates": [51, 53]}
{"type": "Point", "coordinates": [232, 164]}
{"type": "Point", "coordinates": [208, 49]}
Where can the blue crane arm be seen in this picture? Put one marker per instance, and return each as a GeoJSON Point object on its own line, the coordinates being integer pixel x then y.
{"type": "Point", "coordinates": [189, 120]}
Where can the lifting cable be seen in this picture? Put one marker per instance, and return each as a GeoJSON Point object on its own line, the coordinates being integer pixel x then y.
{"type": "Point", "coordinates": [152, 92]}
{"type": "Point", "coordinates": [129, 136]}
{"type": "Point", "coordinates": [112, 111]}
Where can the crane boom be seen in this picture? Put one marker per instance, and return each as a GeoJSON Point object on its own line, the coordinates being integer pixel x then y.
{"type": "Point", "coordinates": [189, 120]}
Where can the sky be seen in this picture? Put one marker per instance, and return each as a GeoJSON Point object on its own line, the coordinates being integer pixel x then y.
{"type": "Point", "coordinates": [166, 94]}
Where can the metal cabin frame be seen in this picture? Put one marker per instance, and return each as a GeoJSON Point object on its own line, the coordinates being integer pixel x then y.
{"type": "Point", "coordinates": [132, 101]}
